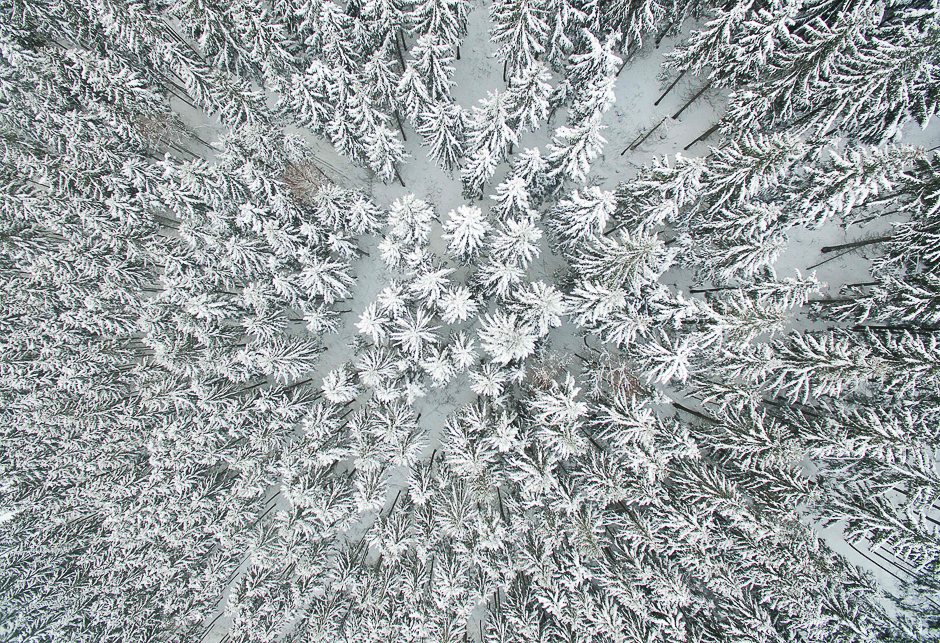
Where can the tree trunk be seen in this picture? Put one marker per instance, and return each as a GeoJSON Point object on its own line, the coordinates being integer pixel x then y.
{"type": "Point", "coordinates": [178, 38]}
{"type": "Point", "coordinates": [193, 136]}
{"type": "Point", "coordinates": [458, 52]}
{"type": "Point", "coordinates": [662, 34]}
{"type": "Point", "coordinates": [854, 244]}
{"type": "Point", "coordinates": [401, 129]}
{"type": "Point", "coordinates": [695, 291]}
{"type": "Point", "coordinates": [894, 560]}
{"type": "Point", "coordinates": [299, 383]}
{"type": "Point", "coordinates": [505, 68]}
{"type": "Point", "coordinates": [401, 57]}
{"type": "Point", "coordinates": [894, 327]}
{"type": "Point", "coordinates": [693, 412]}
{"type": "Point", "coordinates": [398, 176]}
{"type": "Point", "coordinates": [180, 92]}
{"type": "Point", "coordinates": [648, 134]}
{"type": "Point", "coordinates": [711, 130]}
{"type": "Point", "coordinates": [626, 59]}
{"type": "Point", "coordinates": [873, 561]}
{"type": "Point", "coordinates": [819, 263]}
{"type": "Point", "coordinates": [829, 301]}
{"type": "Point", "coordinates": [692, 100]}
{"type": "Point", "coordinates": [209, 626]}
{"type": "Point", "coordinates": [394, 502]}
{"type": "Point", "coordinates": [669, 89]}
{"type": "Point", "coordinates": [183, 150]}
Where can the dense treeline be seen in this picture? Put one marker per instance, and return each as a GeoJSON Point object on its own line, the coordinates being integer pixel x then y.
{"type": "Point", "coordinates": [175, 465]}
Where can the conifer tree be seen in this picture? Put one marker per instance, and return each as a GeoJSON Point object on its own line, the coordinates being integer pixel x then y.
{"type": "Point", "coordinates": [490, 128]}
{"type": "Point", "coordinates": [516, 241]}
{"type": "Point", "coordinates": [465, 230]}
{"type": "Point", "coordinates": [847, 54]}
{"type": "Point", "coordinates": [506, 339]}
{"type": "Point", "coordinates": [520, 29]}
{"type": "Point", "coordinates": [627, 263]}
{"type": "Point", "coordinates": [432, 60]}
{"type": "Point", "coordinates": [528, 96]}
{"type": "Point", "coordinates": [413, 94]}
{"type": "Point", "coordinates": [582, 216]}
{"type": "Point", "coordinates": [446, 19]}
{"type": "Point", "coordinates": [634, 19]}
{"type": "Point", "coordinates": [442, 125]}
{"type": "Point", "coordinates": [531, 167]}
{"type": "Point", "coordinates": [573, 148]}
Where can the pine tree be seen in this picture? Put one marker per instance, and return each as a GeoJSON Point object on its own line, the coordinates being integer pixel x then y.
{"type": "Point", "coordinates": [338, 386]}
{"type": "Point", "coordinates": [374, 324]}
{"type": "Point", "coordinates": [592, 78]}
{"type": "Point", "coordinates": [326, 279]}
{"type": "Point", "coordinates": [465, 230]}
{"type": "Point", "coordinates": [446, 19]}
{"type": "Point", "coordinates": [480, 168]}
{"type": "Point", "coordinates": [384, 151]}
{"type": "Point", "coordinates": [573, 148]}
{"type": "Point", "coordinates": [490, 128]}
{"type": "Point", "coordinates": [505, 338]}
{"type": "Point", "coordinates": [380, 77]}
{"type": "Point", "coordinates": [414, 331]}
{"type": "Point", "coordinates": [528, 95]}
{"type": "Point", "coordinates": [409, 219]}
{"type": "Point", "coordinates": [516, 241]}
{"type": "Point", "coordinates": [412, 94]}
{"type": "Point", "coordinates": [719, 46]}
{"type": "Point", "coordinates": [429, 283]}
{"type": "Point", "coordinates": [498, 278]}
{"type": "Point", "coordinates": [432, 60]}
{"type": "Point", "coordinates": [531, 167]}
{"type": "Point", "coordinates": [597, 60]}
{"type": "Point", "coordinates": [848, 56]}
{"type": "Point", "coordinates": [582, 216]}
{"type": "Point", "coordinates": [307, 97]}
{"type": "Point", "coordinates": [851, 179]}
{"type": "Point", "coordinates": [742, 258]}
{"type": "Point", "coordinates": [442, 126]}
{"type": "Point", "coordinates": [386, 17]}
{"type": "Point", "coordinates": [457, 305]}
{"type": "Point", "coordinates": [541, 306]}
{"type": "Point", "coordinates": [908, 302]}
{"type": "Point", "coordinates": [331, 36]}
{"type": "Point", "coordinates": [634, 19]}
{"type": "Point", "coordinates": [519, 29]}
{"type": "Point", "coordinates": [512, 200]}
{"type": "Point", "coordinates": [821, 365]}
{"type": "Point", "coordinates": [627, 263]}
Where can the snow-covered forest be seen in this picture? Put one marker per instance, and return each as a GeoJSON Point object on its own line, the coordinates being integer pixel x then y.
{"type": "Point", "coordinates": [447, 321]}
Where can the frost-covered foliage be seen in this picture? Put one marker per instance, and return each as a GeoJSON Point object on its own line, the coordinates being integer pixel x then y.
{"type": "Point", "coordinates": [243, 401]}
